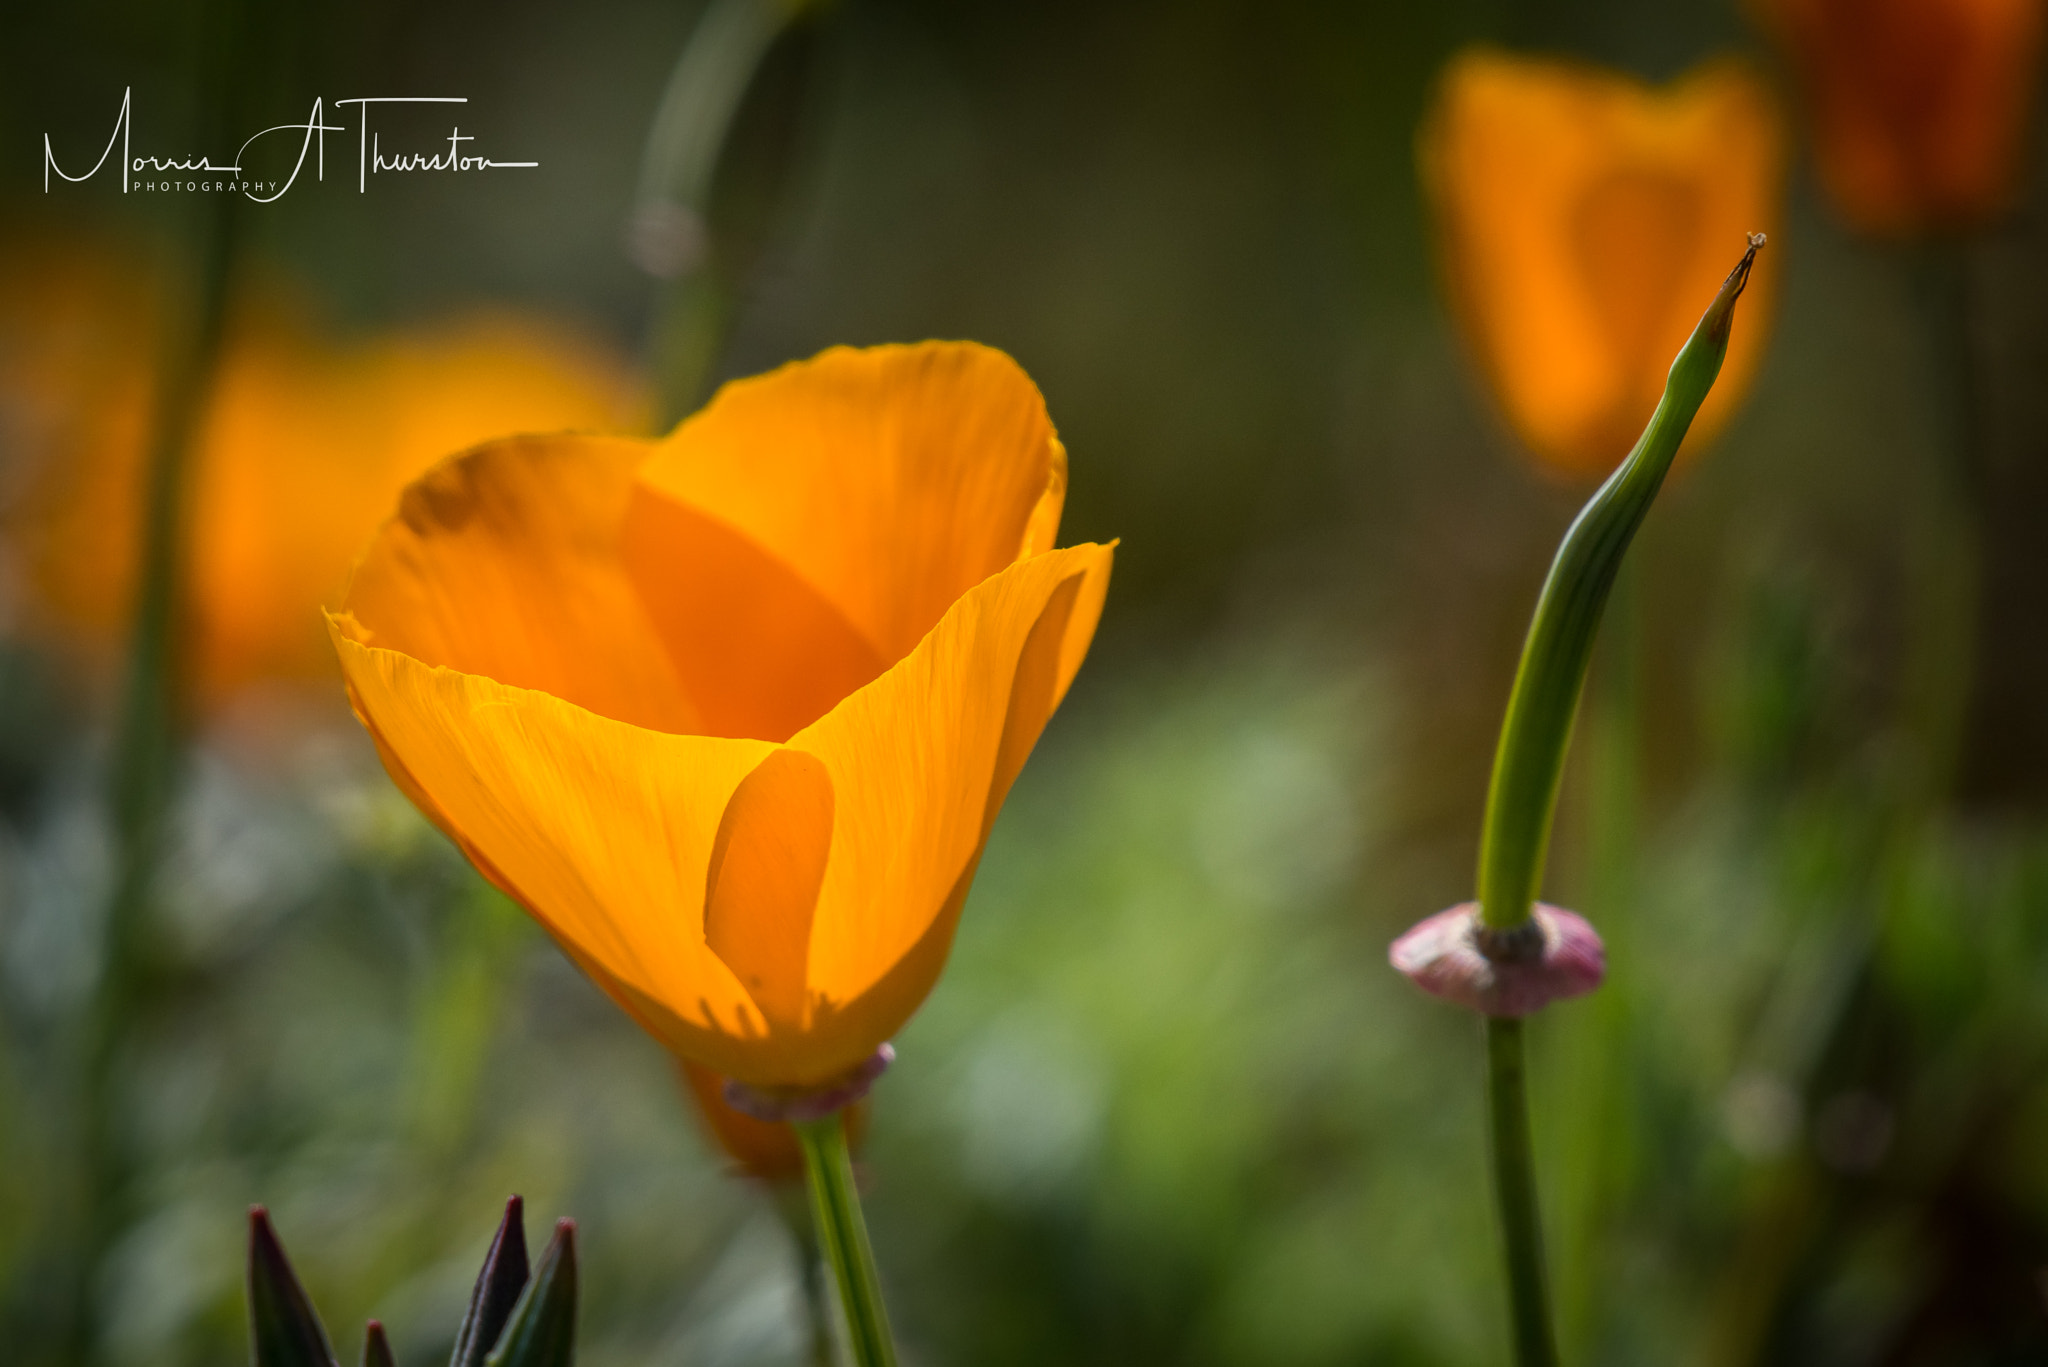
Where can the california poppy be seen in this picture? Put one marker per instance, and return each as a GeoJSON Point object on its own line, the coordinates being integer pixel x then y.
{"type": "Point", "coordinates": [304, 443]}
{"type": "Point", "coordinates": [1918, 107]}
{"type": "Point", "coordinates": [1582, 217]}
{"type": "Point", "coordinates": [732, 713]}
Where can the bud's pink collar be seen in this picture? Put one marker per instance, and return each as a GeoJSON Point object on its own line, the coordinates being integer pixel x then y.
{"type": "Point", "coordinates": [1443, 956]}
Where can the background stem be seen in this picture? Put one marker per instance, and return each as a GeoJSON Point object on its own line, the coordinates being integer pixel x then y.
{"type": "Point", "coordinates": [843, 1235]}
{"type": "Point", "coordinates": [1514, 1190]}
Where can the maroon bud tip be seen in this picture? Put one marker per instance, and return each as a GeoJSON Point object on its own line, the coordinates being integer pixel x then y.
{"type": "Point", "coordinates": [1442, 956]}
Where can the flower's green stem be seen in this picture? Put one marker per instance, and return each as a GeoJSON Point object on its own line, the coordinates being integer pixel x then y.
{"type": "Point", "coordinates": [1514, 1189]}
{"type": "Point", "coordinates": [793, 1205]}
{"type": "Point", "coordinates": [843, 1235]}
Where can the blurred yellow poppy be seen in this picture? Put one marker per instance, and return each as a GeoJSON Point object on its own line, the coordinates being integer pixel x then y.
{"type": "Point", "coordinates": [1585, 221]}
{"type": "Point", "coordinates": [304, 444]}
{"type": "Point", "coordinates": [1918, 107]}
{"type": "Point", "coordinates": [732, 713]}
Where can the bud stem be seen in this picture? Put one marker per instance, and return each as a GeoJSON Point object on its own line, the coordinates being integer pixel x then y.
{"type": "Point", "coordinates": [843, 1234]}
{"type": "Point", "coordinates": [1522, 798]}
{"type": "Point", "coordinates": [1514, 1192]}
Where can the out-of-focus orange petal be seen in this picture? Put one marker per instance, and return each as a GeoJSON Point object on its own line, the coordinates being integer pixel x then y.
{"type": "Point", "coordinates": [78, 329]}
{"type": "Point", "coordinates": [1918, 107]}
{"type": "Point", "coordinates": [307, 445]}
{"type": "Point", "coordinates": [1585, 222]}
{"type": "Point", "coordinates": [301, 450]}
{"type": "Point", "coordinates": [505, 563]}
{"type": "Point", "coordinates": [890, 479]}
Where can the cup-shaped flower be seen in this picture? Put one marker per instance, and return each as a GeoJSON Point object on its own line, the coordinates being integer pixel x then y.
{"type": "Point", "coordinates": [1918, 108]}
{"type": "Point", "coordinates": [732, 713]}
{"type": "Point", "coordinates": [304, 443]}
{"type": "Point", "coordinates": [1581, 218]}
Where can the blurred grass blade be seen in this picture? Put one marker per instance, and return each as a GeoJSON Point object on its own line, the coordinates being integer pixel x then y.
{"type": "Point", "coordinates": [284, 1330]}
{"type": "Point", "coordinates": [542, 1332]}
{"type": "Point", "coordinates": [377, 1348]}
{"type": "Point", "coordinates": [497, 1289]}
{"type": "Point", "coordinates": [1522, 798]}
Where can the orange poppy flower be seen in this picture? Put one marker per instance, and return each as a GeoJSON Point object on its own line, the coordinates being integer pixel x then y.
{"type": "Point", "coordinates": [731, 713]}
{"type": "Point", "coordinates": [1918, 107]}
{"type": "Point", "coordinates": [762, 1148]}
{"type": "Point", "coordinates": [302, 448]}
{"type": "Point", "coordinates": [1584, 222]}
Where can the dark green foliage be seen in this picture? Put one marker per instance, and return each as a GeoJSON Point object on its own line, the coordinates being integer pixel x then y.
{"type": "Point", "coordinates": [543, 1328]}
{"type": "Point", "coordinates": [497, 1290]}
{"type": "Point", "coordinates": [377, 1348]}
{"type": "Point", "coordinates": [513, 1320]}
{"type": "Point", "coordinates": [284, 1329]}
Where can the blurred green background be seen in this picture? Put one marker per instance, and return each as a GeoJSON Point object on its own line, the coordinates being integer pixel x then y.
{"type": "Point", "coordinates": [1168, 1105]}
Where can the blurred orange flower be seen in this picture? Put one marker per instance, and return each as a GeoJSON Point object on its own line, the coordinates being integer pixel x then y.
{"type": "Point", "coordinates": [762, 1148]}
{"type": "Point", "coordinates": [1918, 107]}
{"type": "Point", "coordinates": [1584, 221]}
{"type": "Point", "coordinates": [731, 713]}
{"type": "Point", "coordinates": [303, 447]}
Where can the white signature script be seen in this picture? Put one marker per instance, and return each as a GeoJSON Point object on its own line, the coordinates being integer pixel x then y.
{"type": "Point", "coordinates": [152, 173]}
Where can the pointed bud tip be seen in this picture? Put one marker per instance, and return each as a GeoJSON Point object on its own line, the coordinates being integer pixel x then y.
{"type": "Point", "coordinates": [1442, 956]}
{"type": "Point", "coordinates": [1720, 315]}
{"type": "Point", "coordinates": [565, 1228]}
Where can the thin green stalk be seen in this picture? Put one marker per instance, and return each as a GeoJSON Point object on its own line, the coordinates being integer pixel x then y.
{"type": "Point", "coordinates": [1514, 1189]}
{"type": "Point", "coordinates": [1521, 802]}
{"type": "Point", "coordinates": [143, 763]}
{"type": "Point", "coordinates": [793, 1205]}
{"type": "Point", "coordinates": [843, 1234]}
{"type": "Point", "coordinates": [679, 169]}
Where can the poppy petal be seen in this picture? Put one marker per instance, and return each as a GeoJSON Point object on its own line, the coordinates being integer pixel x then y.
{"type": "Point", "coordinates": [762, 888]}
{"type": "Point", "coordinates": [891, 479]}
{"type": "Point", "coordinates": [602, 830]}
{"type": "Point", "coordinates": [504, 562]}
{"type": "Point", "coordinates": [916, 800]}
{"type": "Point", "coordinates": [1586, 220]}
{"type": "Point", "coordinates": [759, 651]}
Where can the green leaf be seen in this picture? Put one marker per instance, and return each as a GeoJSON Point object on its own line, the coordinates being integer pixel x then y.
{"type": "Point", "coordinates": [542, 1332]}
{"type": "Point", "coordinates": [377, 1348]}
{"type": "Point", "coordinates": [284, 1330]}
{"type": "Point", "coordinates": [1523, 796]}
{"type": "Point", "coordinates": [497, 1289]}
